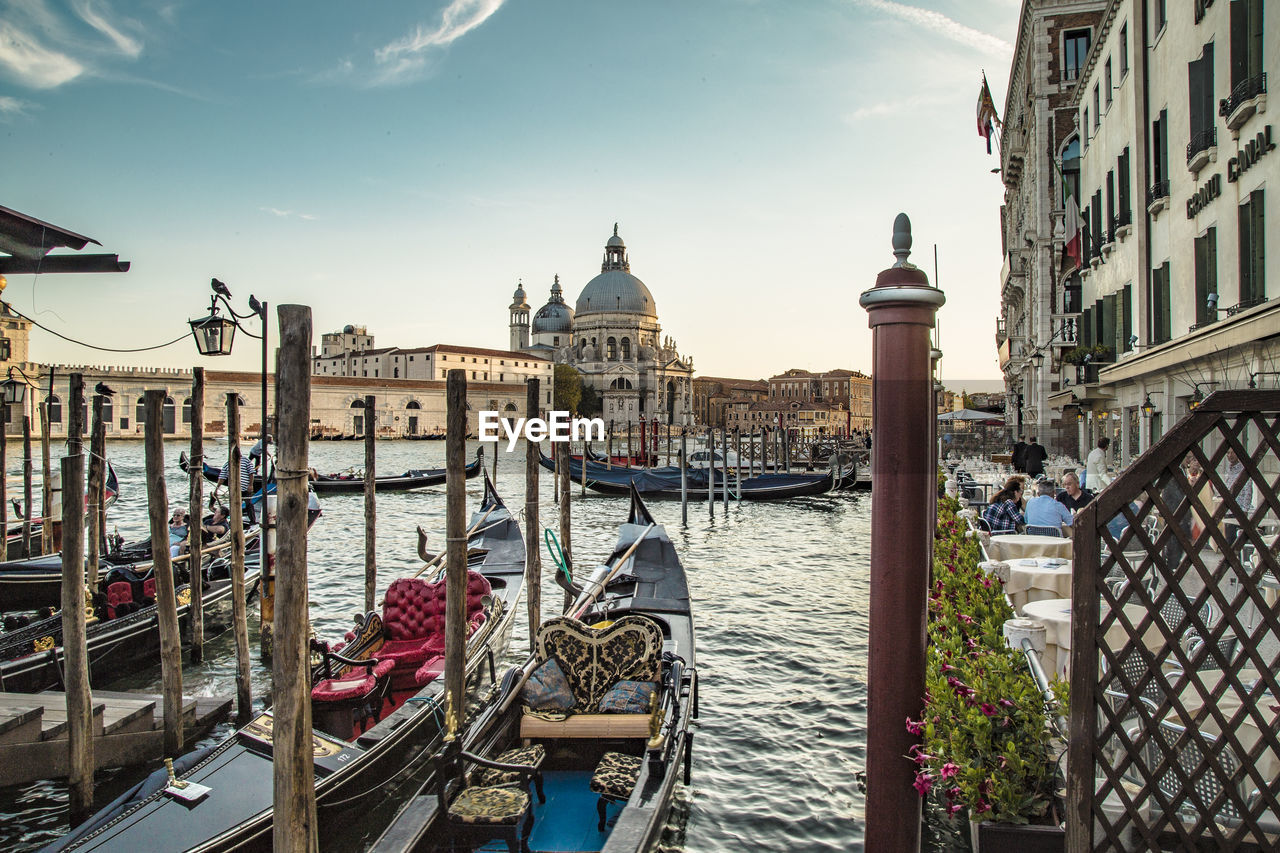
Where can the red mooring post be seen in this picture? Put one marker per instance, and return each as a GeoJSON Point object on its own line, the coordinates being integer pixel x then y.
{"type": "Point", "coordinates": [900, 309]}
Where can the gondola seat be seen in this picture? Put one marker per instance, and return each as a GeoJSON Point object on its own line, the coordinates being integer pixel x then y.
{"type": "Point", "coordinates": [348, 693]}
{"type": "Point", "coordinates": [495, 800]}
{"type": "Point", "coordinates": [413, 618]}
{"type": "Point", "coordinates": [594, 661]}
{"type": "Point", "coordinates": [120, 599]}
{"type": "Point", "coordinates": [614, 779]}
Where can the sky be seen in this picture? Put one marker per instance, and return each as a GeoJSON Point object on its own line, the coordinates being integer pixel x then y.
{"type": "Point", "coordinates": [403, 165]}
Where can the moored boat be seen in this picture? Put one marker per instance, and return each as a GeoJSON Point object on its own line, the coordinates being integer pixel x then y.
{"type": "Point", "coordinates": [351, 773]}
{"type": "Point", "coordinates": [587, 760]}
{"type": "Point", "coordinates": [415, 478]}
{"type": "Point", "coordinates": [664, 483]}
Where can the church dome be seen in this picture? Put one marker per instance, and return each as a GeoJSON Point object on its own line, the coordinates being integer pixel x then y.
{"type": "Point", "coordinates": [555, 316]}
{"type": "Point", "coordinates": [616, 289]}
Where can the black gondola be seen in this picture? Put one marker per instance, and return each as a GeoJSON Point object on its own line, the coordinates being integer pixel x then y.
{"type": "Point", "coordinates": [603, 781]}
{"type": "Point", "coordinates": [415, 478]}
{"type": "Point", "coordinates": [664, 483]}
{"type": "Point", "coordinates": [13, 550]}
{"type": "Point", "coordinates": [351, 774]}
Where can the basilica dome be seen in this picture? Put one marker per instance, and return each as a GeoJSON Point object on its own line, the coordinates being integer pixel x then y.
{"type": "Point", "coordinates": [616, 289]}
{"type": "Point", "coordinates": [555, 316]}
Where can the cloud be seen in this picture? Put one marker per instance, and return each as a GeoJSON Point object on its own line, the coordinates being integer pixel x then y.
{"type": "Point", "coordinates": [942, 25]}
{"type": "Point", "coordinates": [32, 63]}
{"type": "Point", "coordinates": [43, 47]}
{"type": "Point", "coordinates": [12, 107]}
{"type": "Point", "coordinates": [405, 58]}
{"type": "Point", "coordinates": [285, 214]}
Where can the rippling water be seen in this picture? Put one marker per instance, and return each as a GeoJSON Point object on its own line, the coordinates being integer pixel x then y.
{"type": "Point", "coordinates": [780, 602]}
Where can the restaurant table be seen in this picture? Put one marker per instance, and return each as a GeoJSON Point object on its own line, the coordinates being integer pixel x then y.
{"type": "Point", "coordinates": [1247, 731]}
{"type": "Point", "coordinates": [1055, 615]}
{"type": "Point", "coordinates": [1037, 578]}
{"type": "Point", "coordinates": [1009, 547]}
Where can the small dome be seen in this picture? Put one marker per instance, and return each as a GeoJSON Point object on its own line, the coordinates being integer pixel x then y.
{"type": "Point", "coordinates": [616, 289]}
{"type": "Point", "coordinates": [555, 316]}
{"type": "Point", "coordinates": [348, 330]}
{"type": "Point", "coordinates": [615, 240]}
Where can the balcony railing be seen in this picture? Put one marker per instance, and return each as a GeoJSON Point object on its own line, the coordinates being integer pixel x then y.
{"type": "Point", "coordinates": [1066, 331]}
{"type": "Point", "coordinates": [1159, 191]}
{"type": "Point", "coordinates": [1246, 90]}
{"type": "Point", "coordinates": [1202, 141]}
{"type": "Point", "coordinates": [1245, 305]}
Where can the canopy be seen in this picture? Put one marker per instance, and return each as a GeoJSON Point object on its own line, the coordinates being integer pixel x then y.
{"type": "Point", "coordinates": [970, 415]}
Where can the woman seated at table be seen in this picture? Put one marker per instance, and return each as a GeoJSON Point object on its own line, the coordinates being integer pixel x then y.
{"type": "Point", "coordinates": [1004, 513]}
{"type": "Point", "coordinates": [1045, 515]}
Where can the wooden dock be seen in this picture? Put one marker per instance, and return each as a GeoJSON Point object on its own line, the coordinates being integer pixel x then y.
{"type": "Point", "coordinates": [128, 729]}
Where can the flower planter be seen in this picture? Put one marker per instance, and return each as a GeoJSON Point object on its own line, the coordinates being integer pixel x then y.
{"type": "Point", "coordinates": [1015, 838]}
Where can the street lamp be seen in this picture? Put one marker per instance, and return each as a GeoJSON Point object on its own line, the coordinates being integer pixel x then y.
{"type": "Point", "coordinates": [1148, 407]}
{"type": "Point", "coordinates": [214, 334]}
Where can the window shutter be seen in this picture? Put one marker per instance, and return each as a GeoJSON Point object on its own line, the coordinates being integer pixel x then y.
{"type": "Point", "coordinates": [1125, 321]}
{"type": "Point", "coordinates": [1195, 94]}
{"type": "Point", "coordinates": [1203, 315]}
{"type": "Point", "coordinates": [1245, 222]}
{"type": "Point", "coordinates": [1255, 38]}
{"type": "Point", "coordinates": [1086, 328]}
{"type": "Point", "coordinates": [1109, 322]}
{"type": "Point", "coordinates": [1258, 255]}
{"type": "Point", "coordinates": [1166, 325]}
{"type": "Point", "coordinates": [1211, 261]}
{"type": "Point", "coordinates": [1111, 203]}
{"type": "Point", "coordinates": [1122, 175]}
{"type": "Point", "coordinates": [1239, 42]}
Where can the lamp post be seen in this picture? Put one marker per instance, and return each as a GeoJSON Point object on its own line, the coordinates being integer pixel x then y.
{"type": "Point", "coordinates": [214, 335]}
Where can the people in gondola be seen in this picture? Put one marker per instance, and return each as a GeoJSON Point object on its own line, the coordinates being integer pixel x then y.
{"type": "Point", "coordinates": [216, 526]}
{"type": "Point", "coordinates": [178, 530]}
{"type": "Point", "coordinates": [246, 475]}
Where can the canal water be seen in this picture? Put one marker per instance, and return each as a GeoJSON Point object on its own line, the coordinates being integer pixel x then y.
{"type": "Point", "coordinates": [780, 597]}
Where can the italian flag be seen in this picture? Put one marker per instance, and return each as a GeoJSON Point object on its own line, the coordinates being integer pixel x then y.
{"type": "Point", "coordinates": [1072, 245]}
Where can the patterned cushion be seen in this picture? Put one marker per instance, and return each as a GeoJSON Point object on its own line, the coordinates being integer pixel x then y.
{"type": "Point", "coordinates": [489, 806]}
{"type": "Point", "coordinates": [414, 609]}
{"type": "Point", "coordinates": [628, 697]}
{"type": "Point", "coordinates": [616, 775]}
{"type": "Point", "coordinates": [547, 689]}
{"type": "Point", "coordinates": [527, 756]}
{"type": "Point", "coordinates": [593, 660]}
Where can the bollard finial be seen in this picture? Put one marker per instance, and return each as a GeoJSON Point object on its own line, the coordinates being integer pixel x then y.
{"type": "Point", "coordinates": [902, 241]}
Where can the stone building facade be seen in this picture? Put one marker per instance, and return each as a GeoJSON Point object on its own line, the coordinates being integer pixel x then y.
{"type": "Point", "coordinates": [712, 396]}
{"type": "Point", "coordinates": [613, 339]}
{"type": "Point", "coordinates": [848, 390]}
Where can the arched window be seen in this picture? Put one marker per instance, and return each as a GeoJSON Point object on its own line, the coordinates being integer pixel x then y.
{"type": "Point", "coordinates": [626, 349]}
{"type": "Point", "coordinates": [55, 409]}
{"type": "Point", "coordinates": [140, 412]}
{"type": "Point", "coordinates": [168, 416]}
{"type": "Point", "coordinates": [357, 403]}
{"type": "Point", "coordinates": [510, 407]}
{"type": "Point", "coordinates": [1071, 170]}
{"type": "Point", "coordinates": [413, 404]}
{"type": "Point", "coordinates": [395, 373]}
{"type": "Point", "coordinates": [186, 411]}
{"type": "Point", "coordinates": [611, 349]}
{"type": "Point", "coordinates": [108, 411]}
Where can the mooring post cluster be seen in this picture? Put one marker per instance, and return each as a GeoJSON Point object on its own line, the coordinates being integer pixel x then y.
{"type": "Point", "coordinates": [901, 310]}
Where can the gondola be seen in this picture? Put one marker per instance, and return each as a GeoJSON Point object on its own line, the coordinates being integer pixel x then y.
{"type": "Point", "coordinates": [13, 550]}
{"type": "Point", "coordinates": [351, 772]}
{"type": "Point", "coordinates": [412, 479]}
{"type": "Point", "coordinates": [600, 781]}
{"type": "Point", "coordinates": [124, 635]}
{"type": "Point", "coordinates": [664, 483]}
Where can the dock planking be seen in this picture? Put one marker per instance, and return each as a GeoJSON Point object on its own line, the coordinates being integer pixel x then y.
{"type": "Point", "coordinates": [128, 730]}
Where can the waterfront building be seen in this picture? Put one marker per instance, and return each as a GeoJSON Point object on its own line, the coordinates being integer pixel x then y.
{"type": "Point", "coordinates": [713, 396]}
{"type": "Point", "coordinates": [806, 419]}
{"type": "Point", "coordinates": [1038, 297]}
{"type": "Point", "coordinates": [1176, 151]}
{"type": "Point", "coordinates": [849, 390]}
{"type": "Point", "coordinates": [612, 337]}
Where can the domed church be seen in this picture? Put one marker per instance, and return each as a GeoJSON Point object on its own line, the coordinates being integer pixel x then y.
{"type": "Point", "coordinates": [612, 337]}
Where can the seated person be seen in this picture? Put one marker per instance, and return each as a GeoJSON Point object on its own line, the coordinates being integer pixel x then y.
{"type": "Point", "coordinates": [1045, 513]}
{"type": "Point", "coordinates": [177, 532]}
{"type": "Point", "coordinates": [1072, 496]}
{"type": "Point", "coordinates": [216, 526]}
{"type": "Point", "coordinates": [1004, 513]}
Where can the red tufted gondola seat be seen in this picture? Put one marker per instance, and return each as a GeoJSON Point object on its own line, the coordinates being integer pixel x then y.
{"type": "Point", "coordinates": [413, 614]}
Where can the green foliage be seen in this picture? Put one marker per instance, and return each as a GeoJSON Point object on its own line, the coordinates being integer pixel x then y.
{"type": "Point", "coordinates": [592, 405]}
{"type": "Point", "coordinates": [986, 741]}
{"type": "Point", "coordinates": [1100, 354]}
{"type": "Point", "coordinates": [568, 385]}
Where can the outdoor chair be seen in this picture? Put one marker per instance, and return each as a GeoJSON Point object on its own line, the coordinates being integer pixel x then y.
{"type": "Point", "coordinates": [1188, 752]}
{"type": "Point", "coordinates": [494, 800]}
{"type": "Point", "coordinates": [1175, 617]}
{"type": "Point", "coordinates": [1037, 530]}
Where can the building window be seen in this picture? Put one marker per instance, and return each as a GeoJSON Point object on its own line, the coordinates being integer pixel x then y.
{"type": "Point", "coordinates": [1160, 316]}
{"type": "Point", "coordinates": [626, 349]}
{"type": "Point", "coordinates": [1112, 224]}
{"type": "Point", "coordinates": [1246, 43]}
{"type": "Point", "coordinates": [1070, 172]}
{"type": "Point", "coordinates": [611, 349]}
{"type": "Point", "coordinates": [1084, 127]}
{"type": "Point", "coordinates": [1203, 109]}
{"type": "Point", "coordinates": [1097, 108]}
{"type": "Point", "coordinates": [186, 410]}
{"type": "Point", "coordinates": [55, 409]}
{"type": "Point", "coordinates": [1206, 259]}
{"type": "Point", "coordinates": [1252, 250]}
{"type": "Point", "coordinates": [1122, 189]}
{"type": "Point", "coordinates": [1075, 47]}
{"type": "Point", "coordinates": [1160, 154]}
{"type": "Point", "coordinates": [1106, 78]}
{"type": "Point", "coordinates": [1124, 49]}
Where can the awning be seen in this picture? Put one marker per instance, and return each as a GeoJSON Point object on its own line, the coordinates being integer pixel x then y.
{"type": "Point", "coordinates": [27, 242]}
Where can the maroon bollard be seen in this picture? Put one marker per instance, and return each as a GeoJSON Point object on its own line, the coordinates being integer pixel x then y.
{"type": "Point", "coordinates": [901, 310]}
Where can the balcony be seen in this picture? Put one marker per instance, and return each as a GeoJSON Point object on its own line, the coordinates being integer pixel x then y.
{"type": "Point", "coordinates": [1157, 197]}
{"type": "Point", "coordinates": [1202, 149]}
{"type": "Point", "coordinates": [1246, 99]}
{"type": "Point", "coordinates": [1200, 7]}
{"type": "Point", "coordinates": [1245, 305]}
{"type": "Point", "coordinates": [1066, 329]}
{"type": "Point", "coordinates": [1122, 226]}
{"type": "Point", "coordinates": [1013, 281]}
{"type": "Point", "coordinates": [1001, 334]}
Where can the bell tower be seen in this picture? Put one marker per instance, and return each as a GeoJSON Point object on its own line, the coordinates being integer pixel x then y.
{"type": "Point", "coordinates": [519, 319]}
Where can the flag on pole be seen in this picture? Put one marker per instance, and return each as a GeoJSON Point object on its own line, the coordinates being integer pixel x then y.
{"type": "Point", "coordinates": [1072, 245]}
{"type": "Point", "coordinates": [988, 119]}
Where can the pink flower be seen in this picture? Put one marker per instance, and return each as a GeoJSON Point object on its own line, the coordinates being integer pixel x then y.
{"type": "Point", "coordinates": [965, 618]}
{"type": "Point", "coordinates": [988, 709]}
{"type": "Point", "coordinates": [981, 807]}
{"type": "Point", "coordinates": [953, 808]}
{"type": "Point", "coordinates": [1007, 703]}
{"type": "Point", "coordinates": [915, 728]}
{"type": "Point", "coordinates": [949, 770]}
{"type": "Point", "coordinates": [923, 783]}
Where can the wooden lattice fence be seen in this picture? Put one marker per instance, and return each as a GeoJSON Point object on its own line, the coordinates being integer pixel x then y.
{"type": "Point", "coordinates": [1175, 693]}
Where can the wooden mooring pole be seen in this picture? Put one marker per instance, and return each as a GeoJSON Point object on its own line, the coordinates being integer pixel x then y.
{"type": "Point", "coordinates": [684, 478]}
{"type": "Point", "coordinates": [455, 525]}
{"type": "Point", "coordinates": [370, 503]}
{"type": "Point", "coordinates": [97, 479]}
{"type": "Point", "coordinates": [711, 473]}
{"type": "Point", "coordinates": [294, 822]}
{"type": "Point", "coordinates": [901, 309]}
{"type": "Point", "coordinates": [74, 645]}
{"type": "Point", "coordinates": [26, 485]}
{"type": "Point", "coordinates": [4, 480]}
{"type": "Point", "coordinates": [195, 512]}
{"type": "Point", "coordinates": [566, 550]}
{"type": "Point", "coordinates": [46, 487]}
{"type": "Point", "coordinates": [239, 608]}
{"type": "Point", "coordinates": [166, 599]}
{"type": "Point", "coordinates": [724, 455]}
{"type": "Point", "coordinates": [532, 533]}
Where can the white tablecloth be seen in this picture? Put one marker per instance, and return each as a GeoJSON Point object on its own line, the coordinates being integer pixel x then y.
{"type": "Point", "coordinates": [1036, 579]}
{"type": "Point", "coordinates": [1055, 615]}
{"type": "Point", "coordinates": [1016, 546]}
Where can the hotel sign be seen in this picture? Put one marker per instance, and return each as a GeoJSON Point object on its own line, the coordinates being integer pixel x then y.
{"type": "Point", "coordinates": [1251, 153]}
{"type": "Point", "coordinates": [1208, 191]}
